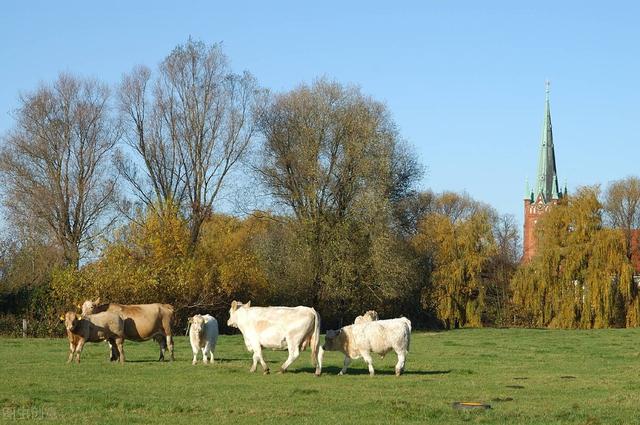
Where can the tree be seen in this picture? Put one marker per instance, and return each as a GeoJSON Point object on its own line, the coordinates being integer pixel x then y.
{"type": "Point", "coordinates": [189, 132]}
{"type": "Point", "coordinates": [622, 207]}
{"type": "Point", "coordinates": [457, 249]}
{"type": "Point", "coordinates": [333, 159]}
{"type": "Point", "coordinates": [503, 265]}
{"type": "Point", "coordinates": [580, 276]}
{"type": "Point", "coordinates": [55, 164]}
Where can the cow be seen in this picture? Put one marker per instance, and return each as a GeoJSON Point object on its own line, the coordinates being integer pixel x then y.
{"type": "Point", "coordinates": [141, 322]}
{"type": "Point", "coordinates": [105, 326]}
{"type": "Point", "coordinates": [380, 337]}
{"type": "Point", "coordinates": [369, 316]}
{"type": "Point", "coordinates": [203, 334]}
{"type": "Point", "coordinates": [278, 328]}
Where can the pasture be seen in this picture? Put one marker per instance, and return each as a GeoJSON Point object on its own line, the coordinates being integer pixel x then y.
{"type": "Point", "coordinates": [527, 376]}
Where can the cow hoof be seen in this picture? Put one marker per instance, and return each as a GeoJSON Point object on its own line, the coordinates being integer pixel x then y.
{"type": "Point", "coordinates": [281, 371]}
{"type": "Point", "coordinates": [266, 372]}
{"type": "Point", "coordinates": [317, 374]}
{"type": "Point", "coordinates": [194, 363]}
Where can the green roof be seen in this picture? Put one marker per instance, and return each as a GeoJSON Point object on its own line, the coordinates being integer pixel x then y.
{"type": "Point", "coordinates": [547, 181]}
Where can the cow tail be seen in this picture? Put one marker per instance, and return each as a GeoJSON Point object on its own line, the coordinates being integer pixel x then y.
{"type": "Point", "coordinates": [408, 333]}
{"type": "Point", "coordinates": [315, 339]}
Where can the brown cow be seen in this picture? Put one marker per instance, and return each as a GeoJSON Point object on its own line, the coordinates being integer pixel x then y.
{"type": "Point", "coordinates": [93, 328]}
{"type": "Point", "coordinates": [141, 322]}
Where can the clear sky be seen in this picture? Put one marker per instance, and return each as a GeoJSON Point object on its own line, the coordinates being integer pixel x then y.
{"type": "Point", "coordinates": [464, 79]}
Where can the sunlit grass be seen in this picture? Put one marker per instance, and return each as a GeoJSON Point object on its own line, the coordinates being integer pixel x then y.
{"type": "Point", "coordinates": [527, 376]}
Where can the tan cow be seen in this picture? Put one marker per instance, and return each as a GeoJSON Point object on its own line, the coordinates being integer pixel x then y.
{"type": "Point", "coordinates": [105, 326]}
{"type": "Point", "coordinates": [141, 322]}
{"type": "Point", "coordinates": [369, 316]}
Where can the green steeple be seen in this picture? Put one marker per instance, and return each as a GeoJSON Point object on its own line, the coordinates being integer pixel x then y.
{"type": "Point", "coordinates": [547, 183]}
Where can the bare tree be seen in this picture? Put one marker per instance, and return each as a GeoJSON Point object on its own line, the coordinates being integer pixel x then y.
{"type": "Point", "coordinates": [622, 207]}
{"type": "Point", "coordinates": [189, 132]}
{"type": "Point", "coordinates": [55, 164]}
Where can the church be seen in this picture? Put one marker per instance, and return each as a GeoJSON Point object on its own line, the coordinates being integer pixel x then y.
{"type": "Point", "coordinates": [546, 194]}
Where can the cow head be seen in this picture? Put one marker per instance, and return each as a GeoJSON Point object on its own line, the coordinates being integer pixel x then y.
{"type": "Point", "coordinates": [372, 315]}
{"type": "Point", "coordinates": [71, 320]}
{"type": "Point", "coordinates": [87, 307]}
{"type": "Point", "coordinates": [233, 312]}
{"type": "Point", "coordinates": [332, 340]}
{"type": "Point", "coordinates": [197, 324]}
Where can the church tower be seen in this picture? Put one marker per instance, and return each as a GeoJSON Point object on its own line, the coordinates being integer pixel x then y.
{"type": "Point", "coordinates": [546, 193]}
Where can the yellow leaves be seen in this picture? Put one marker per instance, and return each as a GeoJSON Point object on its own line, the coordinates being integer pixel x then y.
{"type": "Point", "coordinates": [581, 275]}
{"type": "Point", "coordinates": [459, 250]}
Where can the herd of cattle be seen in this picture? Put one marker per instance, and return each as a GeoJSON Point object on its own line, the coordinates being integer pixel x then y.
{"type": "Point", "coordinates": [278, 328]}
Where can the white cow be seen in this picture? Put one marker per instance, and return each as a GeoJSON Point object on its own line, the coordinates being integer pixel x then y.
{"type": "Point", "coordinates": [203, 334]}
{"type": "Point", "coordinates": [369, 316]}
{"type": "Point", "coordinates": [380, 337]}
{"type": "Point", "coordinates": [278, 328]}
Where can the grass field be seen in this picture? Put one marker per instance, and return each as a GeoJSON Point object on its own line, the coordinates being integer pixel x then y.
{"type": "Point", "coordinates": [527, 376]}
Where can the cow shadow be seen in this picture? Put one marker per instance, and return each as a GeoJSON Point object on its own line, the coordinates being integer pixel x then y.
{"type": "Point", "coordinates": [334, 370]}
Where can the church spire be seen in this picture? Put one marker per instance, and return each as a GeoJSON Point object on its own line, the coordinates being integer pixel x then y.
{"type": "Point", "coordinates": [547, 183]}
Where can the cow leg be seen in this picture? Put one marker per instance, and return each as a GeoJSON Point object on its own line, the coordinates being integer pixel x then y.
{"type": "Point", "coordinates": [294, 352]}
{"type": "Point", "coordinates": [79, 350]}
{"type": "Point", "coordinates": [212, 348]}
{"type": "Point", "coordinates": [170, 345]}
{"type": "Point", "coordinates": [114, 355]}
{"type": "Point", "coordinates": [163, 345]}
{"type": "Point", "coordinates": [347, 362]}
{"type": "Point", "coordinates": [195, 355]}
{"type": "Point", "coordinates": [120, 345]}
{"type": "Point", "coordinates": [367, 358]}
{"type": "Point", "coordinates": [72, 349]}
{"type": "Point", "coordinates": [205, 353]}
{"type": "Point", "coordinates": [401, 359]}
{"type": "Point", "coordinates": [319, 363]}
{"type": "Point", "coordinates": [257, 356]}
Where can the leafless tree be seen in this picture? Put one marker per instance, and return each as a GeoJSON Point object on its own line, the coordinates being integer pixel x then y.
{"type": "Point", "coordinates": [55, 164]}
{"type": "Point", "coordinates": [622, 207]}
{"type": "Point", "coordinates": [188, 132]}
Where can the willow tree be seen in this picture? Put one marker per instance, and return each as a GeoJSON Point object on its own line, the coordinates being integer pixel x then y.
{"type": "Point", "coordinates": [458, 253]}
{"type": "Point", "coordinates": [580, 276]}
{"type": "Point", "coordinates": [333, 160]}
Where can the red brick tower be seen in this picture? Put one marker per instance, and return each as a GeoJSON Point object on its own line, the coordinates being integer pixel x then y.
{"type": "Point", "coordinates": [546, 193]}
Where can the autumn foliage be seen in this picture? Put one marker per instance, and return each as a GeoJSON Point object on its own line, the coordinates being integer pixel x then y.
{"type": "Point", "coordinates": [581, 276]}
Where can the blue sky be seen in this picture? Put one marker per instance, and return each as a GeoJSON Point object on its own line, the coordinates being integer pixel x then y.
{"type": "Point", "coordinates": [463, 79]}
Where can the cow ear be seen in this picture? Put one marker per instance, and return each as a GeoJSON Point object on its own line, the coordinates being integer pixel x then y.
{"type": "Point", "coordinates": [190, 320]}
{"type": "Point", "coordinates": [247, 305]}
{"type": "Point", "coordinates": [97, 301]}
{"type": "Point", "coordinates": [234, 305]}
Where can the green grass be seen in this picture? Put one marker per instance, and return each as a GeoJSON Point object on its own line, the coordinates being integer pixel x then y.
{"type": "Point", "coordinates": [566, 377]}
